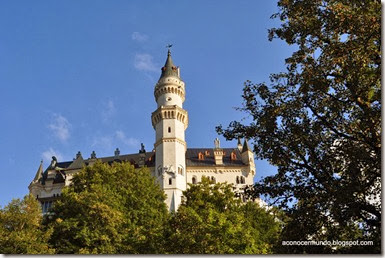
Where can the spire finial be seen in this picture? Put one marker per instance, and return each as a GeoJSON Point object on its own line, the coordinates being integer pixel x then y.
{"type": "Point", "coordinates": [169, 46]}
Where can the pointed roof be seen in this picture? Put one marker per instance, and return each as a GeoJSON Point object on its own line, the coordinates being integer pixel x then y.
{"type": "Point", "coordinates": [169, 69]}
{"type": "Point", "coordinates": [172, 204]}
{"type": "Point", "coordinates": [39, 172]}
{"type": "Point", "coordinates": [78, 162]}
{"type": "Point", "coordinates": [246, 146]}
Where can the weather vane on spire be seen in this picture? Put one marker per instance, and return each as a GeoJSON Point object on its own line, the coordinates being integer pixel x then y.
{"type": "Point", "coordinates": [169, 46]}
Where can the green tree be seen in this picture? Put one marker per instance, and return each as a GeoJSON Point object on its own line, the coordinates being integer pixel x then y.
{"type": "Point", "coordinates": [21, 230]}
{"type": "Point", "coordinates": [110, 209]}
{"type": "Point", "coordinates": [212, 221]}
{"type": "Point", "coordinates": [320, 123]}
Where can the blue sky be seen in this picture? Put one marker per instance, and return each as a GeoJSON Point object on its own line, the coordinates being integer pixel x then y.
{"type": "Point", "coordinates": [79, 75]}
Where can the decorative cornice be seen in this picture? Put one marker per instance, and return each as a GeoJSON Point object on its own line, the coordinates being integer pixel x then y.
{"type": "Point", "coordinates": [170, 112]}
{"type": "Point", "coordinates": [170, 85]}
{"type": "Point", "coordinates": [218, 169]}
{"type": "Point", "coordinates": [170, 139]}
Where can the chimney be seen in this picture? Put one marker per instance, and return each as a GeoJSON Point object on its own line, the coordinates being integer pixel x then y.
{"type": "Point", "coordinates": [117, 153]}
{"type": "Point", "coordinates": [78, 155]}
{"type": "Point", "coordinates": [218, 152]}
{"type": "Point", "coordinates": [142, 155]}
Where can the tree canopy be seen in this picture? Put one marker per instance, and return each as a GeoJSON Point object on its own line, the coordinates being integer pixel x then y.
{"type": "Point", "coordinates": [212, 221]}
{"type": "Point", "coordinates": [319, 122]}
{"type": "Point", "coordinates": [21, 230]}
{"type": "Point", "coordinates": [110, 209]}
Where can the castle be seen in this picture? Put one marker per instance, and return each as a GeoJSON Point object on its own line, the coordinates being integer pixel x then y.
{"type": "Point", "coordinates": [171, 162]}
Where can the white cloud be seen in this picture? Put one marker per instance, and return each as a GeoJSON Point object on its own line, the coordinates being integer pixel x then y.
{"type": "Point", "coordinates": [137, 36]}
{"type": "Point", "coordinates": [106, 144]}
{"type": "Point", "coordinates": [47, 156]}
{"type": "Point", "coordinates": [108, 110]}
{"type": "Point", "coordinates": [103, 142]}
{"type": "Point", "coordinates": [144, 62]}
{"type": "Point", "coordinates": [60, 127]}
{"type": "Point", "coordinates": [129, 141]}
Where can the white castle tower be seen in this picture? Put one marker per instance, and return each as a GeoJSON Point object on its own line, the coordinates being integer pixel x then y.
{"type": "Point", "coordinates": [170, 121]}
{"type": "Point", "coordinates": [173, 164]}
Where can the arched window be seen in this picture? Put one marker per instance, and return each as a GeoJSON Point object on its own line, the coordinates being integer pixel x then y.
{"type": "Point", "coordinates": [169, 129]}
{"type": "Point", "coordinates": [201, 156]}
{"type": "Point", "coordinates": [194, 180]}
{"type": "Point", "coordinates": [170, 181]}
{"type": "Point", "coordinates": [242, 179]}
{"type": "Point", "coordinates": [233, 156]}
{"type": "Point", "coordinates": [180, 170]}
{"type": "Point", "coordinates": [237, 179]}
{"type": "Point", "coordinates": [213, 180]}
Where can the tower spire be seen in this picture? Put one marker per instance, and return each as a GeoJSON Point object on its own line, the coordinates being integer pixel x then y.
{"type": "Point", "coordinates": [39, 172]}
{"type": "Point", "coordinates": [246, 146]}
{"type": "Point", "coordinates": [169, 69]}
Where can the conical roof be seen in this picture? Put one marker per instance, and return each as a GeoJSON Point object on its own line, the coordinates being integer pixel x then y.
{"type": "Point", "coordinates": [39, 172]}
{"type": "Point", "coordinates": [169, 69]}
{"type": "Point", "coordinates": [246, 146]}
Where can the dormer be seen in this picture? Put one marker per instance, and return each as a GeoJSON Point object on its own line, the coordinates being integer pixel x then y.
{"type": "Point", "coordinates": [233, 156]}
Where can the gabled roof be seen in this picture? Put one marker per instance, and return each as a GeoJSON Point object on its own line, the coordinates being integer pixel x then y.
{"type": "Point", "coordinates": [77, 163]}
{"type": "Point", "coordinates": [192, 159]}
{"type": "Point", "coordinates": [149, 159]}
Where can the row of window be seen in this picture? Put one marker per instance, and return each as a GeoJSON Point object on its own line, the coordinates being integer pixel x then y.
{"type": "Point", "coordinates": [201, 156]}
{"type": "Point", "coordinates": [45, 206]}
{"type": "Point", "coordinates": [239, 180]}
{"type": "Point", "coordinates": [195, 180]}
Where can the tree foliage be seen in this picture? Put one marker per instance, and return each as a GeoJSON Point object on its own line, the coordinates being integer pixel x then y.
{"type": "Point", "coordinates": [212, 221]}
{"type": "Point", "coordinates": [320, 123]}
{"type": "Point", "coordinates": [110, 209]}
{"type": "Point", "coordinates": [21, 229]}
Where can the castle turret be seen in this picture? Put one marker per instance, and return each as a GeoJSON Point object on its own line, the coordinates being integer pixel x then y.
{"type": "Point", "coordinates": [170, 121]}
{"type": "Point", "coordinates": [248, 157]}
{"type": "Point", "coordinates": [239, 144]}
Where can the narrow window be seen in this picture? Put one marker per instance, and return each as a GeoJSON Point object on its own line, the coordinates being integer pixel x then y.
{"type": "Point", "coordinates": [233, 156]}
{"type": "Point", "coordinates": [200, 156]}
{"type": "Point", "coordinates": [170, 181]}
{"type": "Point", "coordinates": [169, 129]}
{"type": "Point", "coordinates": [194, 180]}
{"type": "Point", "coordinates": [237, 179]}
{"type": "Point", "coordinates": [213, 180]}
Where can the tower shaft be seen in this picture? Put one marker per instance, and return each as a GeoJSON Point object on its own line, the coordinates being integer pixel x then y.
{"type": "Point", "coordinates": [170, 121]}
